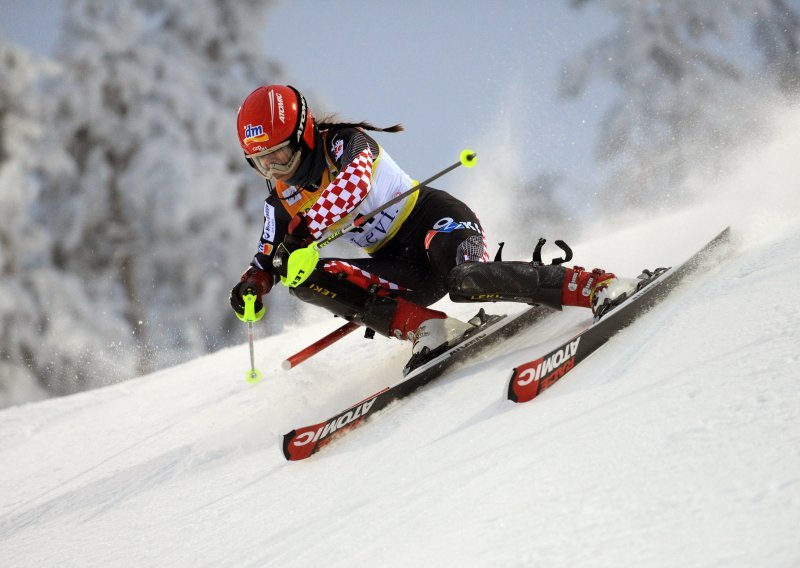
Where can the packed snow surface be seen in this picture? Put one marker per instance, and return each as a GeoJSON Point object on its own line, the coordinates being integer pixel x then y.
{"type": "Point", "coordinates": [676, 444]}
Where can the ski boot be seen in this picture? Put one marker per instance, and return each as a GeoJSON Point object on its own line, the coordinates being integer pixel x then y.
{"type": "Point", "coordinates": [436, 335]}
{"type": "Point", "coordinates": [609, 291]}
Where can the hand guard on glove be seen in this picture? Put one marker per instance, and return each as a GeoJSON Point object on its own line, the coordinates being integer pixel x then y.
{"type": "Point", "coordinates": [256, 282]}
{"type": "Point", "coordinates": [299, 236]}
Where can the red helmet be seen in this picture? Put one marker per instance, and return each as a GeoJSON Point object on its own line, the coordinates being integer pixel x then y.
{"type": "Point", "coordinates": [276, 129]}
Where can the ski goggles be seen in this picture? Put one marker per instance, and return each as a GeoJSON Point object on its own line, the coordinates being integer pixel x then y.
{"type": "Point", "coordinates": [279, 160]}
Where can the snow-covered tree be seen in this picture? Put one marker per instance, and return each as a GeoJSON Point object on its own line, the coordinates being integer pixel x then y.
{"type": "Point", "coordinates": [690, 87]}
{"type": "Point", "coordinates": [776, 28]}
{"type": "Point", "coordinates": [20, 133]}
{"type": "Point", "coordinates": [156, 218]}
{"type": "Point", "coordinates": [44, 346]}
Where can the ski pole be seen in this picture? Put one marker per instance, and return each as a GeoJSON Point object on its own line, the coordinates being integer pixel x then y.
{"type": "Point", "coordinates": [334, 336]}
{"type": "Point", "coordinates": [253, 375]}
{"type": "Point", "coordinates": [303, 261]}
{"type": "Point", "coordinates": [467, 159]}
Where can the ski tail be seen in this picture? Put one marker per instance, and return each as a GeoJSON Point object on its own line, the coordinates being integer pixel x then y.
{"type": "Point", "coordinates": [303, 442]}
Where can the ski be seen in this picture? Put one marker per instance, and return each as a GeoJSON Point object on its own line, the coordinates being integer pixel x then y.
{"type": "Point", "coordinates": [530, 379]}
{"type": "Point", "coordinates": [303, 442]}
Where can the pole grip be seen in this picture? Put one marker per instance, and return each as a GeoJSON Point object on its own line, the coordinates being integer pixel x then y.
{"type": "Point", "coordinates": [250, 314]}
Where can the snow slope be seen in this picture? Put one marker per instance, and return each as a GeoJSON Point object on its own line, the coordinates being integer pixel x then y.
{"type": "Point", "coordinates": [677, 444]}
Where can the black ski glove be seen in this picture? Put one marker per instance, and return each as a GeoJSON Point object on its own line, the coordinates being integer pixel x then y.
{"type": "Point", "coordinates": [256, 281]}
{"type": "Point", "coordinates": [299, 236]}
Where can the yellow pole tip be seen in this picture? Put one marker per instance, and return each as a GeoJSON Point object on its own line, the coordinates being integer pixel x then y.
{"type": "Point", "coordinates": [468, 158]}
{"type": "Point", "coordinates": [254, 376]}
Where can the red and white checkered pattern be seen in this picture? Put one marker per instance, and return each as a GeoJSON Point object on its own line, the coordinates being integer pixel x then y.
{"type": "Point", "coordinates": [360, 277]}
{"type": "Point", "coordinates": [468, 257]}
{"type": "Point", "coordinates": [342, 195]}
{"type": "Point", "coordinates": [485, 257]}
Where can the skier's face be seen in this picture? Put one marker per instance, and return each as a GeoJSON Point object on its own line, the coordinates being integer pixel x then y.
{"type": "Point", "coordinates": [279, 162]}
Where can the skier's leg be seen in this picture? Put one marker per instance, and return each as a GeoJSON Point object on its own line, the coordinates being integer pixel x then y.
{"type": "Point", "coordinates": [441, 233]}
{"type": "Point", "coordinates": [456, 249]}
{"type": "Point", "coordinates": [347, 289]}
{"type": "Point", "coordinates": [508, 281]}
{"type": "Point", "coordinates": [407, 278]}
{"type": "Point", "coordinates": [552, 286]}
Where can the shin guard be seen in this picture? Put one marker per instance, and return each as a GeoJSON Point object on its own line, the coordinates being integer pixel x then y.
{"type": "Point", "coordinates": [507, 281]}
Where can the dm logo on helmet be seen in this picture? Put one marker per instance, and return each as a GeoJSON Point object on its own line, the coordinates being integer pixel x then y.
{"type": "Point", "coordinates": [254, 134]}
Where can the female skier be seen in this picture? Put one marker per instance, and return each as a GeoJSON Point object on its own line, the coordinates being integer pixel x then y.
{"type": "Point", "coordinates": [322, 174]}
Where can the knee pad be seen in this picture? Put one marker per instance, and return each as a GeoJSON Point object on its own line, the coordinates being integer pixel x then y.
{"type": "Point", "coordinates": [448, 249]}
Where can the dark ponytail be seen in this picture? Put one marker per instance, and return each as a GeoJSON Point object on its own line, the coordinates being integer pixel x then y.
{"type": "Point", "coordinates": [330, 123]}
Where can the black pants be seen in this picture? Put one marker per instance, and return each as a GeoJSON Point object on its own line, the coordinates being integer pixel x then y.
{"type": "Point", "coordinates": [436, 252]}
{"type": "Point", "coordinates": [440, 233]}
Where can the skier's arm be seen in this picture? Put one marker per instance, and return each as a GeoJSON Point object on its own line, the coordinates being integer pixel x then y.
{"type": "Point", "coordinates": [260, 276]}
{"type": "Point", "coordinates": [276, 227]}
{"type": "Point", "coordinates": [354, 153]}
